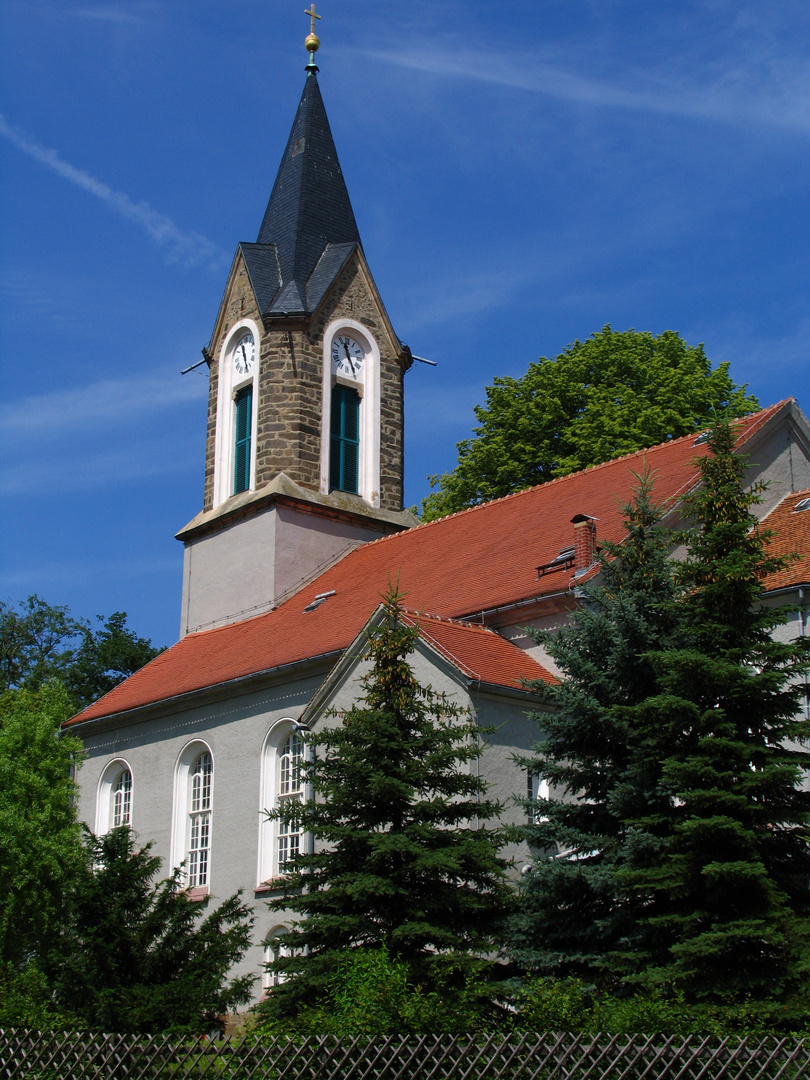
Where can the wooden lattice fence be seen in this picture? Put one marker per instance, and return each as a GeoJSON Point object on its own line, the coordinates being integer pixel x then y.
{"type": "Point", "coordinates": [72, 1056]}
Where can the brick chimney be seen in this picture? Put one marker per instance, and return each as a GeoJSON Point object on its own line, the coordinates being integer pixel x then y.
{"type": "Point", "coordinates": [584, 542]}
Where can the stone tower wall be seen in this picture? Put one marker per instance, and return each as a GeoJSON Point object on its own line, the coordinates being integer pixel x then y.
{"type": "Point", "coordinates": [291, 386]}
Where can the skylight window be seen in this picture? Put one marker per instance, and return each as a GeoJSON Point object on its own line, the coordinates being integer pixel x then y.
{"type": "Point", "coordinates": [702, 438]}
{"type": "Point", "coordinates": [802, 504]}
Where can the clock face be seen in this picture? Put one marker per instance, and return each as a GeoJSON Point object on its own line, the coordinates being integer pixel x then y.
{"type": "Point", "coordinates": [347, 356]}
{"type": "Point", "coordinates": [244, 354]}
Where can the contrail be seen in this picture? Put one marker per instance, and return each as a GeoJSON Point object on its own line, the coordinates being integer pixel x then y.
{"type": "Point", "coordinates": [189, 248]}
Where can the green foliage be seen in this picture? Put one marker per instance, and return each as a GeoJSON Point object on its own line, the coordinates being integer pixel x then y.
{"type": "Point", "coordinates": [105, 658]}
{"type": "Point", "coordinates": [136, 956]}
{"type": "Point", "coordinates": [26, 1001]}
{"type": "Point", "coordinates": [370, 993]}
{"type": "Point", "coordinates": [610, 395]}
{"type": "Point", "coordinates": [676, 853]}
{"type": "Point", "coordinates": [548, 1004]}
{"type": "Point", "coordinates": [40, 849]}
{"type": "Point", "coordinates": [726, 899]}
{"type": "Point", "coordinates": [572, 913]}
{"type": "Point", "coordinates": [403, 859]}
{"type": "Point", "coordinates": [40, 643]}
{"type": "Point", "coordinates": [37, 643]}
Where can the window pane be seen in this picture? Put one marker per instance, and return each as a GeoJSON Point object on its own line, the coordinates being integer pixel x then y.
{"type": "Point", "coordinates": [122, 799]}
{"type": "Point", "coordinates": [199, 828]}
{"type": "Point", "coordinates": [345, 436]}
{"type": "Point", "coordinates": [244, 409]}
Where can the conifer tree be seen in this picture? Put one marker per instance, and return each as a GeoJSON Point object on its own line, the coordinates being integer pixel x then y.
{"type": "Point", "coordinates": [572, 913]}
{"type": "Point", "coordinates": [675, 854]}
{"type": "Point", "coordinates": [726, 900]}
{"type": "Point", "coordinates": [404, 856]}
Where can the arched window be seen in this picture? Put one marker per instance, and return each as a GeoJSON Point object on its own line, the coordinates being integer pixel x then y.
{"type": "Point", "coordinates": [237, 394]}
{"type": "Point", "coordinates": [114, 798]}
{"type": "Point", "coordinates": [351, 416]}
{"type": "Point", "coordinates": [199, 821]}
{"type": "Point", "coordinates": [282, 782]}
{"type": "Point", "coordinates": [274, 949]}
{"type": "Point", "coordinates": [192, 815]}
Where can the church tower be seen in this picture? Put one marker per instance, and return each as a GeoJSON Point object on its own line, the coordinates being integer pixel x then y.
{"type": "Point", "coordinates": [304, 448]}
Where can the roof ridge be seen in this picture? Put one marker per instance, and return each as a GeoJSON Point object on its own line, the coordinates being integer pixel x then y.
{"type": "Point", "coordinates": [467, 624]}
{"type": "Point", "coordinates": [760, 414]}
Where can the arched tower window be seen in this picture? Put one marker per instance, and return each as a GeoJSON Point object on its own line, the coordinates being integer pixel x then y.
{"type": "Point", "coordinates": [237, 394]}
{"type": "Point", "coordinates": [344, 449]}
{"type": "Point", "coordinates": [350, 424]}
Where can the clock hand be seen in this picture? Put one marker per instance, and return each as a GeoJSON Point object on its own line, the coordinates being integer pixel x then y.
{"type": "Point", "coordinates": [351, 365]}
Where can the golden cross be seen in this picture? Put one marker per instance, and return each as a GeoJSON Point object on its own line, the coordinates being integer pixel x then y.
{"type": "Point", "coordinates": [312, 17]}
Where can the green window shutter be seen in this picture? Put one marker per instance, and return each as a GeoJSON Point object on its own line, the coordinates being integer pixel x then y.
{"type": "Point", "coordinates": [244, 409]}
{"type": "Point", "coordinates": [344, 449]}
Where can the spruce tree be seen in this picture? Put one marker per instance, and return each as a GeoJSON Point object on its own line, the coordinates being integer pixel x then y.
{"type": "Point", "coordinates": [674, 854]}
{"type": "Point", "coordinates": [572, 913]}
{"type": "Point", "coordinates": [726, 898]}
{"type": "Point", "coordinates": [404, 856]}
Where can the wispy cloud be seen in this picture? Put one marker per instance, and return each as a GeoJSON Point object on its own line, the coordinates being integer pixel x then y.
{"type": "Point", "coordinates": [188, 248]}
{"type": "Point", "coordinates": [734, 95]}
{"type": "Point", "coordinates": [85, 472]}
{"type": "Point", "coordinates": [122, 14]}
{"type": "Point", "coordinates": [101, 404]}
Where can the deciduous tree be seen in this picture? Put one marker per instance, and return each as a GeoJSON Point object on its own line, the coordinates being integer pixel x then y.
{"type": "Point", "coordinates": [610, 395]}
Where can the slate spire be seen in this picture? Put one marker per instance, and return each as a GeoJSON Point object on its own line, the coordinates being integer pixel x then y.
{"type": "Point", "coordinates": [309, 209]}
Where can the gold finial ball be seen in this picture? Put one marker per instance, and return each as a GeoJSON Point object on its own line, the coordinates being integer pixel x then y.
{"type": "Point", "coordinates": [312, 43]}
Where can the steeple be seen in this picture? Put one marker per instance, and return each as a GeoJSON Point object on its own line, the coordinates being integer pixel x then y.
{"type": "Point", "coordinates": [304, 450]}
{"type": "Point", "coordinates": [308, 231]}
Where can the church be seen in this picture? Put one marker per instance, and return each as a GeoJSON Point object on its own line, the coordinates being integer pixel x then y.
{"type": "Point", "coordinates": [302, 526]}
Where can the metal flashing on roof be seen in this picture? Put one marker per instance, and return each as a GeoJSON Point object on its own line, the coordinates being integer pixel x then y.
{"type": "Point", "coordinates": [563, 561]}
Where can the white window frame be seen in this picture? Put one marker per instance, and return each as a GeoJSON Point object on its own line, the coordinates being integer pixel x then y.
{"type": "Point", "coordinates": [273, 949]}
{"type": "Point", "coordinates": [271, 785]}
{"type": "Point", "coordinates": [228, 386]}
{"type": "Point", "coordinates": [537, 787]}
{"type": "Point", "coordinates": [182, 811]}
{"type": "Point", "coordinates": [105, 796]}
{"type": "Point", "coordinates": [368, 387]}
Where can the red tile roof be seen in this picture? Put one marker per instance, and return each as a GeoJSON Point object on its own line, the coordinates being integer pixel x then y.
{"type": "Point", "coordinates": [479, 652]}
{"type": "Point", "coordinates": [469, 562]}
{"type": "Point", "coordinates": [791, 529]}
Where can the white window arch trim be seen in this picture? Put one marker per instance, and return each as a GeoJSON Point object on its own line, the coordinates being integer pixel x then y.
{"type": "Point", "coordinates": [273, 948]}
{"type": "Point", "coordinates": [268, 865]}
{"type": "Point", "coordinates": [228, 385]}
{"type": "Point", "coordinates": [105, 796]}
{"type": "Point", "coordinates": [368, 387]}
{"type": "Point", "coordinates": [187, 759]}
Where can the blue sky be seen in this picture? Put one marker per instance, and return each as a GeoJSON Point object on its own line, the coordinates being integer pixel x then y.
{"type": "Point", "coordinates": [521, 175]}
